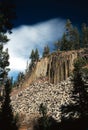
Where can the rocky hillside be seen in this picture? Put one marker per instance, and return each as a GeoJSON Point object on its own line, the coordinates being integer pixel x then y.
{"type": "Point", "coordinates": [26, 103]}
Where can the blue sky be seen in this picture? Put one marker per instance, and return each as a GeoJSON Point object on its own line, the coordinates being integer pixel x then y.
{"type": "Point", "coordinates": [40, 22]}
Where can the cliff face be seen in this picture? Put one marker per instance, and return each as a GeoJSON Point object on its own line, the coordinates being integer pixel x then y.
{"type": "Point", "coordinates": [57, 67]}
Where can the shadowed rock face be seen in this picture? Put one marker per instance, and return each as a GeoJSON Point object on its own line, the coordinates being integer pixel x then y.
{"type": "Point", "coordinates": [57, 67]}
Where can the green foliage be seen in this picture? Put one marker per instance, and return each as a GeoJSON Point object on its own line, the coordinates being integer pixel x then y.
{"type": "Point", "coordinates": [84, 35]}
{"type": "Point", "coordinates": [44, 122]}
{"type": "Point", "coordinates": [4, 63]}
{"type": "Point", "coordinates": [43, 110]}
{"type": "Point", "coordinates": [72, 39]}
{"type": "Point", "coordinates": [7, 120]}
{"type": "Point", "coordinates": [46, 51]}
{"type": "Point", "coordinates": [3, 38]}
{"type": "Point", "coordinates": [80, 89]}
{"type": "Point", "coordinates": [64, 43]}
{"type": "Point", "coordinates": [20, 76]}
{"type": "Point", "coordinates": [81, 61]}
{"type": "Point", "coordinates": [34, 55]}
{"type": "Point", "coordinates": [57, 45]}
{"type": "Point", "coordinates": [79, 94]}
{"type": "Point", "coordinates": [7, 14]}
{"type": "Point", "coordinates": [76, 38]}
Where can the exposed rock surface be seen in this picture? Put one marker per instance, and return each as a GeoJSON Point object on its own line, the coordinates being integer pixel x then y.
{"type": "Point", "coordinates": [27, 101]}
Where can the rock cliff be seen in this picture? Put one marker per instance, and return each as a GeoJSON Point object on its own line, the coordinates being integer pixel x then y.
{"type": "Point", "coordinates": [56, 67]}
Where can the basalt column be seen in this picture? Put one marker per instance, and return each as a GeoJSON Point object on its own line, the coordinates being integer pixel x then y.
{"type": "Point", "coordinates": [56, 70]}
{"type": "Point", "coordinates": [64, 71]}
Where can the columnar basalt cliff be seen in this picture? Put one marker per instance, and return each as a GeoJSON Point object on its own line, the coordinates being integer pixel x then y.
{"type": "Point", "coordinates": [56, 67]}
{"type": "Point", "coordinates": [61, 66]}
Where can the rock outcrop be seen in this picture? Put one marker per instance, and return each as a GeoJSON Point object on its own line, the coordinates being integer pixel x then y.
{"type": "Point", "coordinates": [56, 67]}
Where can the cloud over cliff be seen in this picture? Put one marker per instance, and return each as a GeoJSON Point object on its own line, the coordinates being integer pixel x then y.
{"type": "Point", "coordinates": [25, 38]}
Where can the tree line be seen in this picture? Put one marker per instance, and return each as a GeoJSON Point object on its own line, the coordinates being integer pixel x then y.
{"type": "Point", "coordinates": [7, 13]}
{"type": "Point", "coordinates": [73, 38]}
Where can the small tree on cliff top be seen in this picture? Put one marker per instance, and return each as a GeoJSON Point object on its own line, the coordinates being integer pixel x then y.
{"type": "Point", "coordinates": [46, 51]}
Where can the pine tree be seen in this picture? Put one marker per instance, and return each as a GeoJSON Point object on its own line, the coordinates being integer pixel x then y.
{"type": "Point", "coordinates": [7, 14]}
{"type": "Point", "coordinates": [4, 63]}
{"type": "Point", "coordinates": [3, 38]}
{"type": "Point", "coordinates": [76, 38]}
{"type": "Point", "coordinates": [84, 35]}
{"type": "Point", "coordinates": [32, 56]}
{"type": "Point", "coordinates": [79, 95]}
{"type": "Point", "coordinates": [46, 51]}
{"type": "Point", "coordinates": [80, 89]}
{"type": "Point", "coordinates": [57, 45]}
{"type": "Point", "coordinates": [36, 55]}
{"type": "Point", "coordinates": [7, 120]}
{"type": "Point", "coordinates": [64, 43]}
{"type": "Point", "coordinates": [69, 34]}
{"type": "Point", "coordinates": [70, 39]}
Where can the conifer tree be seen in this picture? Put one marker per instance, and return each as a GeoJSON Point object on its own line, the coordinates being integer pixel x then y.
{"type": "Point", "coordinates": [32, 56]}
{"type": "Point", "coordinates": [7, 14]}
{"type": "Point", "coordinates": [80, 89]}
{"type": "Point", "coordinates": [70, 39]}
{"type": "Point", "coordinates": [7, 120]}
{"type": "Point", "coordinates": [84, 35]}
{"type": "Point", "coordinates": [76, 38]}
{"type": "Point", "coordinates": [64, 43]}
{"type": "Point", "coordinates": [69, 34]}
{"type": "Point", "coordinates": [79, 95]}
{"type": "Point", "coordinates": [57, 45]}
{"type": "Point", "coordinates": [4, 63]}
{"type": "Point", "coordinates": [36, 55]}
{"type": "Point", "coordinates": [46, 51]}
{"type": "Point", "coordinates": [20, 76]}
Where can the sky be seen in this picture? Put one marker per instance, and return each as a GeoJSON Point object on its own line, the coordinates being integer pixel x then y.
{"type": "Point", "coordinates": [38, 23]}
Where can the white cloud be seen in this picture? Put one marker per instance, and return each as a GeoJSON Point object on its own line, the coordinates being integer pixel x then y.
{"type": "Point", "coordinates": [25, 38]}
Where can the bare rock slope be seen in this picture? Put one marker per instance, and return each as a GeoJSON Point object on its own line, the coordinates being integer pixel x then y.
{"type": "Point", "coordinates": [27, 102]}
